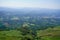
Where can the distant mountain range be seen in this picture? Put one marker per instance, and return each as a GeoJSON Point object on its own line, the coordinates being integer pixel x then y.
{"type": "Point", "coordinates": [30, 12]}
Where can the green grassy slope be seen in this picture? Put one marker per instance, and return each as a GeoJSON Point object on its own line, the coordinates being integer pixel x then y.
{"type": "Point", "coordinates": [47, 34]}
{"type": "Point", "coordinates": [50, 33]}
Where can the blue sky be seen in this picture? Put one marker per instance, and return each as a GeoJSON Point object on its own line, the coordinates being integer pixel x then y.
{"type": "Point", "coordinates": [51, 4]}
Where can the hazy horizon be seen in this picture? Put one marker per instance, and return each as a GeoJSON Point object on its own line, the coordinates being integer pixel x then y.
{"type": "Point", "coordinates": [49, 4]}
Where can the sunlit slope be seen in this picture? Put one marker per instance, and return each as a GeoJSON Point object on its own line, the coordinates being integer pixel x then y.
{"type": "Point", "coordinates": [50, 33]}
{"type": "Point", "coordinates": [47, 34]}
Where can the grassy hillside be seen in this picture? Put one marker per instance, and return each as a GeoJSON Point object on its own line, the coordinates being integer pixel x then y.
{"type": "Point", "coordinates": [50, 33]}
{"type": "Point", "coordinates": [47, 34]}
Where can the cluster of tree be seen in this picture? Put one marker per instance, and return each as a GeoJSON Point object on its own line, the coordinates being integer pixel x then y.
{"type": "Point", "coordinates": [26, 32]}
